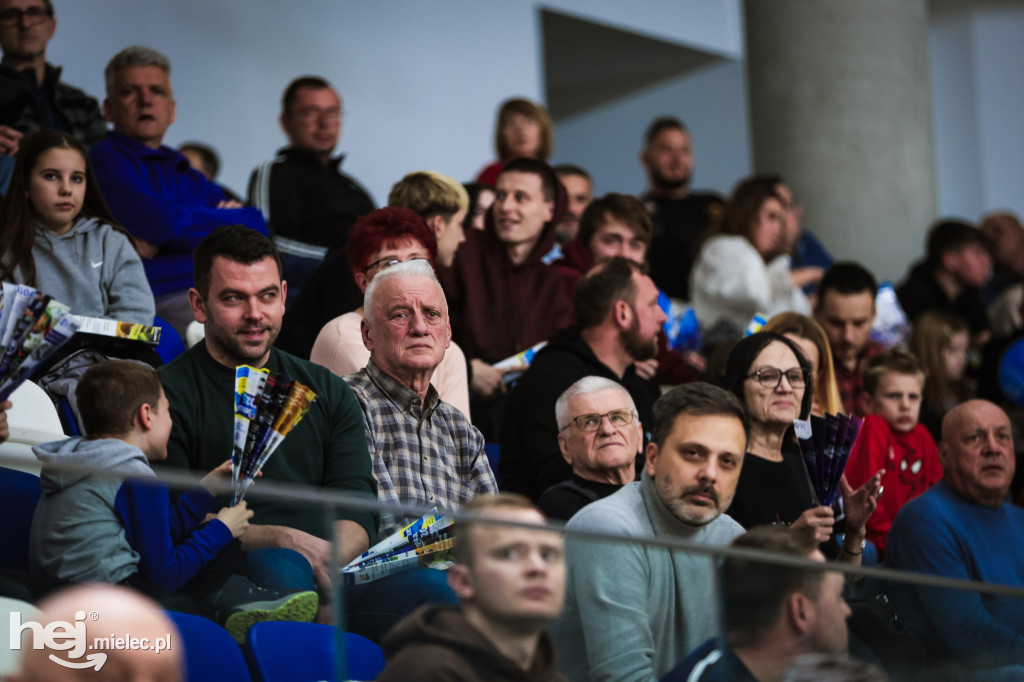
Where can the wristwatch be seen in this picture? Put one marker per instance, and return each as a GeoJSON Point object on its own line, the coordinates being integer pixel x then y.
{"type": "Point", "coordinates": [860, 550]}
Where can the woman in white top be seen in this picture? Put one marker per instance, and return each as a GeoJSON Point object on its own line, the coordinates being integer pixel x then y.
{"type": "Point", "coordinates": [743, 268]}
{"type": "Point", "coordinates": [390, 236]}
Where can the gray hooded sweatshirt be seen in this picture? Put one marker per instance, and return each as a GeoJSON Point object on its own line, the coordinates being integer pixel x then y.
{"type": "Point", "coordinates": [94, 269]}
{"type": "Point", "coordinates": [76, 532]}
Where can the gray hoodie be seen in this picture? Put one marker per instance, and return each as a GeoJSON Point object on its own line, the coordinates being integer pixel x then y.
{"type": "Point", "coordinates": [94, 269]}
{"type": "Point", "coordinates": [76, 532]}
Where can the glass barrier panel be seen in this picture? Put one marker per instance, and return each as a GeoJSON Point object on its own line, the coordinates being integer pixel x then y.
{"type": "Point", "coordinates": [635, 595]}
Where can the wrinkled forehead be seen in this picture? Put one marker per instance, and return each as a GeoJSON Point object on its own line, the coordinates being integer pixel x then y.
{"type": "Point", "coordinates": [600, 401]}
{"type": "Point", "coordinates": [775, 354]}
{"type": "Point", "coordinates": [142, 74]}
{"type": "Point", "coordinates": [979, 416]}
{"type": "Point", "coordinates": [410, 289]}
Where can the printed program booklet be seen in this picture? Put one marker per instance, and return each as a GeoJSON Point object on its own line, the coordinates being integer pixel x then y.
{"type": "Point", "coordinates": [427, 541]}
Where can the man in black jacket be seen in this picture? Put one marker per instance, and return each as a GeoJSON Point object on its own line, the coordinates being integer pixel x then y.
{"type": "Point", "coordinates": [618, 319]}
{"type": "Point", "coordinates": [309, 204]}
{"type": "Point", "coordinates": [31, 95]}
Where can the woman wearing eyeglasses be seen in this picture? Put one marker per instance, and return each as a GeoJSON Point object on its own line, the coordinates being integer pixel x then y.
{"type": "Point", "coordinates": [770, 376]}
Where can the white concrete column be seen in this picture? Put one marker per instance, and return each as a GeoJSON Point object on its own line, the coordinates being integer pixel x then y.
{"type": "Point", "coordinates": [840, 105]}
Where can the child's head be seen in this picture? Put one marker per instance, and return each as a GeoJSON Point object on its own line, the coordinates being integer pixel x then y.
{"type": "Point", "coordinates": [52, 183]}
{"type": "Point", "coordinates": [894, 382]}
{"type": "Point", "coordinates": [124, 399]}
{"type": "Point", "coordinates": [940, 341]}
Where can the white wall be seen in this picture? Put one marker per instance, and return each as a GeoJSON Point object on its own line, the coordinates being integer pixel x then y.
{"type": "Point", "coordinates": [977, 62]}
{"type": "Point", "coordinates": [999, 37]}
{"type": "Point", "coordinates": [420, 81]}
{"type": "Point", "coordinates": [712, 102]}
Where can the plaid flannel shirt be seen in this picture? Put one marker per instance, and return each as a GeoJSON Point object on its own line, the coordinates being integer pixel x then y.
{"type": "Point", "coordinates": [427, 454]}
{"type": "Point", "coordinates": [851, 382]}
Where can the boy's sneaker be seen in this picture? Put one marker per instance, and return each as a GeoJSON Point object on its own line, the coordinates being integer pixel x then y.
{"type": "Point", "coordinates": [240, 603]}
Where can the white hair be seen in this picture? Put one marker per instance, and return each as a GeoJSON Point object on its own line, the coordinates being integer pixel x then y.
{"type": "Point", "coordinates": [585, 386]}
{"type": "Point", "coordinates": [419, 267]}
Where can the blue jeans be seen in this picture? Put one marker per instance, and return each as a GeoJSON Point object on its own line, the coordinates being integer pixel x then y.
{"type": "Point", "coordinates": [371, 609]}
{"type": "Point", "coordinates": [277, 568]}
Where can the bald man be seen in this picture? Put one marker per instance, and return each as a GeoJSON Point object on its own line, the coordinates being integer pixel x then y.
{"type": "Point", "coordinates": [119, 612]}
{"type": "Point", "coordinates": [964, 527]}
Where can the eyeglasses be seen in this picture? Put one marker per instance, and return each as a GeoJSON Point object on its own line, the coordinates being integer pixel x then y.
{"type": "Point", "coordinates": [385, 263]}
{"type": "Point", "coordinates": [771, 377]}
{"type": "Point", "coordinates": [35, 15]}
{"type": "Point", "coordinates": [310, 114]}
{"type": "Point", "coordinates": [592, 422]}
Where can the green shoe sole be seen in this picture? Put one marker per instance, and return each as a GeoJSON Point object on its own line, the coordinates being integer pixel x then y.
{"type": "Point", "coordinates": [299, 607]}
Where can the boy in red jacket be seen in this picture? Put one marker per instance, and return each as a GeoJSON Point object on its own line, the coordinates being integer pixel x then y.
{"type": "Point", "coordinates": [892, 438]}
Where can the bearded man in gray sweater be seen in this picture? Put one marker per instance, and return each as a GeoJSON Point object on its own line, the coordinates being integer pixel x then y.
{"type": "Point", "coordinates": [633, 611]}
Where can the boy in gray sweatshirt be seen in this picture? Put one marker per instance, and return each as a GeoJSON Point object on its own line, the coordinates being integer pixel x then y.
{"type": "Point", "coordinates": [119, 526]}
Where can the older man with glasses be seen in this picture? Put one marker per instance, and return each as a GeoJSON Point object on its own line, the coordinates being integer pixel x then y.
{"type": "Point", "coordinates": [33, 96]}
{"type": "Point", "coordinates": [618, 320]}
{"type": "Point", "coordinates": [599, 436]}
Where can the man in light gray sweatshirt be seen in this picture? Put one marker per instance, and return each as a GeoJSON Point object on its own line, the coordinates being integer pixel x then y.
{"type": "Point", "coordinates": [633, 611]}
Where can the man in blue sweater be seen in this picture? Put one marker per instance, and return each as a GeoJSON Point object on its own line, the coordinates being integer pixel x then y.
{"type": "Point", "coordinates": [151, 188]}
{"type": "Point", "coordinates": [963, 527]}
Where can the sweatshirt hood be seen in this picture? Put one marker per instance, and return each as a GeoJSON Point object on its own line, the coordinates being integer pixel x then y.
{"type": "Point", "coordinates": [548, 236]}
{"type": "Point", "coordinates": [69, 245]}
{"type": "Point", "coordinates": [108, 454]}
{"type": "Point", "coordinates": [445, 626]}
{"type": "Point", "coordinates": [81, 226]}
{"type": "Point", "coordinates": [575, 256]}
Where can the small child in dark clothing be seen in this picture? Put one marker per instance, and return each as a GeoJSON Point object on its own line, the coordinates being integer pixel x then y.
{"type": "Point", "coordinates": [122, 527]}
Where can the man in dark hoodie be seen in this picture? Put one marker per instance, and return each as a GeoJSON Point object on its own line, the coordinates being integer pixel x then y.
{"type": "Point", "coordinates": [620, 225]}
{"type": "Point", "coordinates": [619, 319]}
{"type": "Point", "coordinates": [502, 297]}
{"type": "Point", "coordinates": [510, 583]}
{"type": "Point", "coordinates": [956, 266]}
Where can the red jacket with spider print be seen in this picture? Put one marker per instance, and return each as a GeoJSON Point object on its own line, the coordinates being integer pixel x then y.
{"type": "Point", "coordinates": [911, 463]}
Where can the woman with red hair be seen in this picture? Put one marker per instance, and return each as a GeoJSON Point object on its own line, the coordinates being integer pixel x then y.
{"type": "Point", "coordinates": [377, 241]}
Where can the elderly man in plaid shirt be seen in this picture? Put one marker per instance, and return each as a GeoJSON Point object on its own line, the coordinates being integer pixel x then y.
{"type": "Point", "coordinates": [424, 451]}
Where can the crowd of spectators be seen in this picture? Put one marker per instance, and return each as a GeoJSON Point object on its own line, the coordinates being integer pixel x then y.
{"type": "Point", "coordinates": [411, 322]}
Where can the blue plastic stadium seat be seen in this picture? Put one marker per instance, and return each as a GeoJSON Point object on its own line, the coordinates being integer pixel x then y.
{"type": "Point", "coordinates": [211, 654]}
{"type": "Point", "coordinates": [493, 453]}
{"type": "Point", "coordinates": [171, 344]}
{"type": "Point", "coordinates": [272, 650]}
{"type": "Point", "coordinates": [20, 493]}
